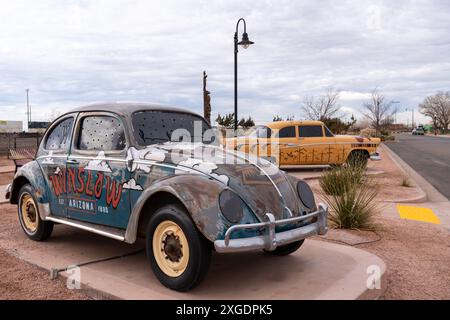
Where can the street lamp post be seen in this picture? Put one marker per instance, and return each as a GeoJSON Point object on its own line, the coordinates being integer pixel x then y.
{"type": "Point", "coordinates": [245, 43]}
{"type": "Point", "coordinates": [412, 114]}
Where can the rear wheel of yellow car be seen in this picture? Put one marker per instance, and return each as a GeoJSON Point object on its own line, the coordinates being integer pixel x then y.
{"type": "Point", "coordinates": [32, 225]}
{"type": "Point", "coordinates": [178, 253]}
{"type": "Point", "coordinates": [358, 158]}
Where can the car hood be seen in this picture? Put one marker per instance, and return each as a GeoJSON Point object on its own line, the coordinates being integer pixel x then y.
{"type": "Point", "coordinates": [264, 187]}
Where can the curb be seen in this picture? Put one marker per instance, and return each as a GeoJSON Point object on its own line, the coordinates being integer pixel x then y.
{"type": "Point", "coordinates": [406, 169]}
{"type": "Point", "coordinates": [376, 173]}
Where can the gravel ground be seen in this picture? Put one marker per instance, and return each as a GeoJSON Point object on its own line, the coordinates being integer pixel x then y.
{"type": "Point", "coordinates": [417, 256]}
{"type": "Point", "coordinates": [21, 280]}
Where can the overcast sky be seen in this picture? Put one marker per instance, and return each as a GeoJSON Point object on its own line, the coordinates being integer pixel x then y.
{"type": "Point", "coordinates": [71, 53]}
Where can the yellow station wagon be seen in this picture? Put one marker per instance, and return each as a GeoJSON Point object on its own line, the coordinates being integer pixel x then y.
{"type": "Point", "coordinates": [304, 143]}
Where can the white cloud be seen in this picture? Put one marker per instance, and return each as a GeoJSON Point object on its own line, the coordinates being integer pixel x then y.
{"type": "Point", "coordinates": [149, 153]}
{"type": "Point", "coordinates": [132, 185]}
{"type": "Point", "coordinates": [99, 163]}
{"type": "Point", "coordinates": [200, 166]}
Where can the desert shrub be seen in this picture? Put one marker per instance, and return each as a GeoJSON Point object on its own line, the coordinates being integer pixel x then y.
{"type": "Point", "coordinates": [387, 138]}
{"type": "Point", "coordinates": [339, 180]}
{"type": "Point", "coordinates": [406, 182]}
{"type": "Point", "coordinates": [350, 196]}
{"type": "Point", "coordinates": [355, 208]}
{"type": "Point", "coordinates": [368, 132]}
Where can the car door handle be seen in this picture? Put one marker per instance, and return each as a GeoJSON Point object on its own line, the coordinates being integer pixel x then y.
{"type": "Point", "coordinates": [72, 161]}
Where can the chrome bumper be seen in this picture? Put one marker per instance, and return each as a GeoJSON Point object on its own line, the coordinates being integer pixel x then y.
{"type": "Point", "coordinates": [375, 156]}
{"type": "Point", "coordinates": [8, 191]}
{"type": "Point", "coordinates": [271, 240]}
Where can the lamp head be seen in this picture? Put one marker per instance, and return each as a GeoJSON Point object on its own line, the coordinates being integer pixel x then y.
{"type": "Point", "coordinates": [245, 42]}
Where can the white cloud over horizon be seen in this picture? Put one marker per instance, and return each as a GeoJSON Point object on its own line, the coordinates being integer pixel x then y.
{"type": "Point", "coordinates": [71, 53]}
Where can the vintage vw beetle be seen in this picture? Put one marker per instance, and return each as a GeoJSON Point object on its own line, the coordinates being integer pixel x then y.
{"type": "Point", "coordinates": [117, 170]}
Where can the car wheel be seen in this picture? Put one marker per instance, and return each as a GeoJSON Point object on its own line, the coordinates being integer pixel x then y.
{"type": "Point", "coordinates": [34, 227]}
{"type": "Point", "coordinates": [178, 253]}
{"type": "Point", "coordinates": [287, 249]}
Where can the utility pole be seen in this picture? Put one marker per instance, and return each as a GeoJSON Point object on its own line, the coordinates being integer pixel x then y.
{"type": "Point", "coordinates": [206, 100]}
{"type": "Point", "coordinates": [28, 106]}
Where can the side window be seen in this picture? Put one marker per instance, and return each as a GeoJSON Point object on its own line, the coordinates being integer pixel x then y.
{"type": "Point", "coordinates": [59, 136]}
{"type": "Point", "coordinates": [310, 131]}
{"type": "Point", "coordinates": [101, 133]}
{"type": "Point", "coordinates": [287, 132]}
{"type": "Point", "coordinates": [328, 132]}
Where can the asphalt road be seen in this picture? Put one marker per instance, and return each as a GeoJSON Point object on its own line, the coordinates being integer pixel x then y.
{"type": "Point", "coordinates": [429, 156]}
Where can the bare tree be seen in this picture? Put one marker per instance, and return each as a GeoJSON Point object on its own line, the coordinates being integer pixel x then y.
{"type": "Point", "coordinates": [437, 107]}
{"type": "Point", "coordinates": [378, 111]}
{"type": "Point", "coordinates": [323, 108]}
{"type": "Point", "coordinates": [429, 109]}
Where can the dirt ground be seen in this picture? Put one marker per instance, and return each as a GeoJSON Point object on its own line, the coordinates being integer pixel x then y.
{"type": "Point", "coordinates": [6, 178]}
{"type": "Point", "coordinates": [22, 281]}
{"type": "Point", "coordinates": [417, 256]}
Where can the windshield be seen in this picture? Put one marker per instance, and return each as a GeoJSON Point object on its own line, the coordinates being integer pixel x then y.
{"type": "Point", "coordinates": [260, 132]}
{"type": "Point", "coordinates": [155, 126]}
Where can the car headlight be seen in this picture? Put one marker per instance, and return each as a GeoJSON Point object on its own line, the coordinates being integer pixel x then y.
{"type": "Point", "coordinates": [231, 206]}
{"type": "Point", "coordinates": [306, 195]}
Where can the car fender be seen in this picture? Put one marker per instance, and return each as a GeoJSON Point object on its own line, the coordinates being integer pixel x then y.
{"type": "Point", "coordinates": [30, 173]}
{"type": "Point", "coordinates": [199, 194]}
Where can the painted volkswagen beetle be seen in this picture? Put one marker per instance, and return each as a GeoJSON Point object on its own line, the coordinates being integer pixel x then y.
{"type": "Point", "coordinates": [127, 171]}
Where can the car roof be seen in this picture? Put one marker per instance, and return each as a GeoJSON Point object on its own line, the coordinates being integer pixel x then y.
{"type": "Point", "coordinates": [282, 124]}
{"type": "Point", "coordinates": [128, 108]}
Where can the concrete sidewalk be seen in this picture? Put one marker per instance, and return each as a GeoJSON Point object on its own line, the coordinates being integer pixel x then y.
{"type": "Point", "coordinates": [319, 270]}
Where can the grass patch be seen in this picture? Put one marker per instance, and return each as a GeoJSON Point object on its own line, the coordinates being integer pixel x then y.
{"type": "Point", "coordinates": [406, 182]}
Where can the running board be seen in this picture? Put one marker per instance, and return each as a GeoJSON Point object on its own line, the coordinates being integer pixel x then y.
{"type": "Point", "coordinates": [113, 233]}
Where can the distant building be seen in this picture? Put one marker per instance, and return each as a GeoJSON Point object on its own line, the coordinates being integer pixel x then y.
{"type": "Point", "coordinates": [37, 126]}
{"type": "Point", "coordinates": [7, 126]}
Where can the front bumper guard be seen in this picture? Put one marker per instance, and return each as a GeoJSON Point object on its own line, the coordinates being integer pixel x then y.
{"type": "Point", "coordinates": [271, 240]}
{"type": "Point", "coordinates": [375, 156]}
{"type": "Point", "coordinates": [8, 191]}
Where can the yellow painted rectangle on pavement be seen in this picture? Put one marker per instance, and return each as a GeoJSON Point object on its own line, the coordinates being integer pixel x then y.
{"type": "Point", "coordinates": [417, 214]}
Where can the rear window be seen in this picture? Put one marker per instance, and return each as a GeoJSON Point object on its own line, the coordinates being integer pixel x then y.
{"type": "Point", "coordinates": [310, 131]}
{"type": "Point", "coordinates": [287, 132]}
{"type": "Point", "coordinates": [154, 126]}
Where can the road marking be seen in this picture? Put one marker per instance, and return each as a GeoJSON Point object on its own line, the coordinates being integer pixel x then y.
{"type": "Point", "coordinates": [417, 214]}
{"type": "Point", "coordinates": [440, 163]}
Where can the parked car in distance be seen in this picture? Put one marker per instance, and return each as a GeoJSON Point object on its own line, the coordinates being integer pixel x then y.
{"type": "Point", "coordinates": [305, 143]}
{"type": "Point", "coordinates": [419, 131]}
{"type": "Point", "coordinates": [115, 170]}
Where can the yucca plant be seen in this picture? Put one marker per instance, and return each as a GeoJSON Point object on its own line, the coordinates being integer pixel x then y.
{"type": "Point", "coordinates": [339, 180]}
{"type": "Point", "coordinates": [355, 208]}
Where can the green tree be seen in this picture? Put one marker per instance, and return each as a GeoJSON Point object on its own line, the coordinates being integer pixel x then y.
{"type": "Point", "coordinates": [278, 118]}
{"type": "Point", "coordinates": [227, 121]}
{"type": "Point", "coordinates": [337, 126]}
